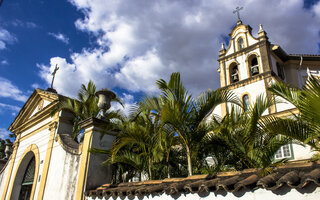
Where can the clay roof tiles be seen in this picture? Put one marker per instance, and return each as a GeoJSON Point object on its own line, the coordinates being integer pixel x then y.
{"type": "Point", "coordinates": [294, 175]}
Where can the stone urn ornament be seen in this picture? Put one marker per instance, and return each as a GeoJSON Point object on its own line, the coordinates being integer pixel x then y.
{"type": "Point", "coordinates": [8, 150]}
{"type": "Point", "coordinates": [104, 103]}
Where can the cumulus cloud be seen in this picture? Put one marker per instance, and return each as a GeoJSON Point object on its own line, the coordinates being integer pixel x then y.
{"type": "Point", "coordinates": [6, 38]}
{"type": "Point", "coordinates": [61, 37]}
{"type": "Point", "coordinates": [8, 90]}
{"type": "Point", "coordinates": [141, 41]}
{"type": "Point", "coordinates": [9, 108]}
{"type": "Point", "coordinates": [128, 102]}
{"type": "Point", "coordinates": [4, 133]}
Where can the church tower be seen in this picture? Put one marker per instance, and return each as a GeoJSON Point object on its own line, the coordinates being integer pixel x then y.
{"type": "Point", "coordinates": [251, 64]}
{"type": "Point", "coordinates": [245, 67]}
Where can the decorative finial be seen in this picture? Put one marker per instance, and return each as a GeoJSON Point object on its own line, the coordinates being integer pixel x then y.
{"type": "Point", "coordinates": [260, 28]}
{"type": "Point", "coordinates": [237, 10]}
{"type": "Point", "coordinates": [54, 74]}
{"type": "Point", "coordinates": [105, 96]}
{"type": "Point", "coordinates": [222, 46]}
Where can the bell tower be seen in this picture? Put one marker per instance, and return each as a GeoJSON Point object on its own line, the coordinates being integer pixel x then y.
{"type": "Point", "coordinates": [245, 66]}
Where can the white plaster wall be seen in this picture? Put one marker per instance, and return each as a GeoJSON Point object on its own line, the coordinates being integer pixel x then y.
{"type": "Point", "coordinates": [257, 194]}
{"type": "Point", "coordinates": [41, 140]}
{"type": "Point", "coordinates": [35, 127]}
{"type": "Point", "coordinates": [300, 152]}
{"type": "Point", "coordinates": [252, 40]}
{"type": "Point", "coordinates": [216, 111]}
{"type": "Point", "coordinates": [4, 175]}
{"type": "Point", "coordinates": [254, 90]}
{"type": "Point", "coordinates": [62, 175]}
{"type": "Point", "coordinates": [284, 106]}
{"type": "Point", "coordinates": [230, 49]}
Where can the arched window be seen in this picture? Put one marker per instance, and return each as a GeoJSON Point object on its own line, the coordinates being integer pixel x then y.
{"type": "Point", "coordinates": [27, 181]}
{"type": "Point", "coordinates": [254, 67]}
{"type": "Point", "coordinates": [245, 102]}
{"type": "Point", "coordinates": [234, 74]}
{"type": "Point", "coordinates": [280, 71]}
{"type": "Point", "coordinates": [240, 43]}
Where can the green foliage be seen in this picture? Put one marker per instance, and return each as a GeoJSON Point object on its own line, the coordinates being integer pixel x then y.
{"type": "Point", "coordinates": [306, 126]}
{"type": "Point", "coordinates": [3, 146]}
{"type": "Point", "coordinates": [84, 107]}
{"type": "Point", "coordinates": [251, 144]}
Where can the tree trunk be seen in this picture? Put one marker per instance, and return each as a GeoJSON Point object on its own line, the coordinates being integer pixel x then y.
{"type": "Point", "coordinates": [168, 169]}
{"type": "Point", "coordinates": [150, 171]}
{"type": "Point", "coordinates": [189, 161]}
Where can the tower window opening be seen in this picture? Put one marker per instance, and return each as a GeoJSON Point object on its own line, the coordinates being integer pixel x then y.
{"type": "Point", "coordinates": [235, 74]}
{"type": "Point", "coordinates": [245, 102]}
{"type": "Point", "coordinates": [240, 43]}
{"type": "Point", "coordinates": [280, 71]}
{"type": "Point", "coordinates": [254, 67]}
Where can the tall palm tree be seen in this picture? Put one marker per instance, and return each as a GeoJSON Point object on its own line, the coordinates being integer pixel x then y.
{"type": "Point", "coordinates": [246, 136]}
{"type": "Point", "coordinates": [177, 108]}
{"type": "Point", "coordinates": [304, 127]}
{"type": "Point", "coordinates": [140, 135]}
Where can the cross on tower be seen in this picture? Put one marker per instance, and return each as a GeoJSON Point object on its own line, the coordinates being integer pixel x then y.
{"type": "Point", "coordinates": [237, 10]}
{"type": "Point", "coordinates": [54, 74]}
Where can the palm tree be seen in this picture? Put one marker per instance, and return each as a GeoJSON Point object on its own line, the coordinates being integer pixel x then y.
{"type": "Point", "coordinates": [140, 135]}
{"type": "Point", "coordinates": [304, 127]}
{"type": "Point", "coordinates": [245, 134]}
{"type": "Point", "coordinates": [177, 108]}
{"type": "Point", "coordinates": [84, 107]}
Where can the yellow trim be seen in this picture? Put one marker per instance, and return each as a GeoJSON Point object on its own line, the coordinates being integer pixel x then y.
{"type": "Point", "coordinates": [52, 128]}
{"type": "Point", "coordinates": [34, 148]}
{"type": "Point", "coordinates": [29, 107]}
{"type": "Point", "coordinates": [13, 158]}
{"type": "Point", "coordinates": [84, 163]}
{"type": "Point", "coordinates": [223, 109]}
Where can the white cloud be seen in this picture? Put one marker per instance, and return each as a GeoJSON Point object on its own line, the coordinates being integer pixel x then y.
{"type": "Point", "coordinates": [35, 85]}
{"type": "Point", "coordinates": [128, 103]}
{"type": "Point", "coordinates": [141, 41]}
{"type": "Point", "coordinates": [61, 37]}
{"type": "Point", "coordinates": [7, 89]}
{"type": "Point", "coordinates": [4, 62]}
{"type": "Point", "coordinates": [6, 38]}
{"type": "Point", "coordinates": [19, 23]}
{"type": "Point", "coordinates": [9, 108]}
{"type": "Point", "coordinates": [4, 133]}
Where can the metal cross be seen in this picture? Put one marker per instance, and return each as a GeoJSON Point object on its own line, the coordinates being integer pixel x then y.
{"type": "Point", "coordinates": [237, 10]}
{"type": "Point", "coordinates": [54, 74]}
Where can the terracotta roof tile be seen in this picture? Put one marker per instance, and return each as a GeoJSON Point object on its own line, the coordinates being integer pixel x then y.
{"type": "Point", "coordinates": [294, 176]}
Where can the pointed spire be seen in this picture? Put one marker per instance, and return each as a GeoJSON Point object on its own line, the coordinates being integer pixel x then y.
{"type": "Point", "coordinates": [261, 33]}
{"type": "Point", "coordinates": [222, 46]}
{"type": "Point", "coordinates": [222, 50]}
{"type": "Point", "coordinates": [260, 28]}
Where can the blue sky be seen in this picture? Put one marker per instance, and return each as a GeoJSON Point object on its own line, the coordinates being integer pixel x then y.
{"type": "Point", "coordinates": [127, 45]}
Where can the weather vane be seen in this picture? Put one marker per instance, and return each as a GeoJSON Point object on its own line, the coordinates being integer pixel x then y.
{"type": "Point", "coordinates": [54, 74]}
{"type": "Point", "coordinates": [237, 10]}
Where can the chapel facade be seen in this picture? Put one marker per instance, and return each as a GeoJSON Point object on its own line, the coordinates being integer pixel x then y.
{"type": "Point", "coordinates": [46, 163]}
